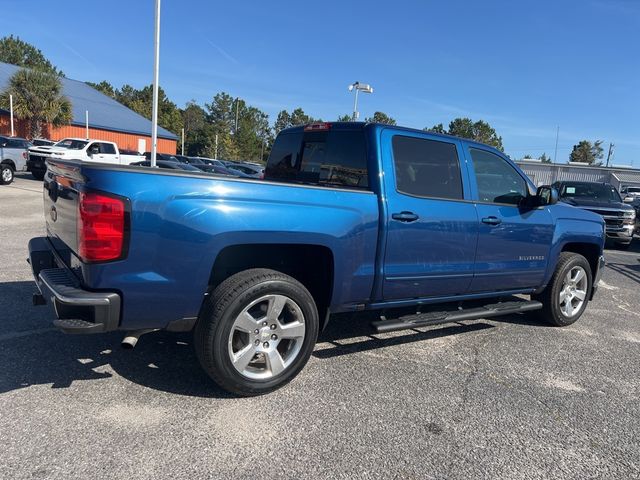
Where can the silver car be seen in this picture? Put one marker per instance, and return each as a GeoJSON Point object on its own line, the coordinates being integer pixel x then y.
{"type": "Point", "coordinates": [13, 157]}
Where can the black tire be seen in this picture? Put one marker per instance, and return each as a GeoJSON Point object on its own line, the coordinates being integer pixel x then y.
{"type": "Point", "coordinates": [38, 174]}
{"type": "Point", "coordinates": [550, 297]}
{"type": "Point", "coordinates": [215, 328]}
{"type": "Point", "coordinates": [6, 174]}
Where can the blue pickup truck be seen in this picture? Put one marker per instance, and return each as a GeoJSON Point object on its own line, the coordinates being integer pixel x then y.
{"type": "Point", "coordinates": [349, 217]}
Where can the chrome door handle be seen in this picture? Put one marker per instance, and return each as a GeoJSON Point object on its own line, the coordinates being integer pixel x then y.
{"type": "Point", "coordinates": [406, 217]}
{"type": "Point", "coordinates": [491, 220]}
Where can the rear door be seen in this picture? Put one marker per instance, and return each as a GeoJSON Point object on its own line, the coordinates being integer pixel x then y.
{"type": "Point", "coordinates": [108, 153]}
{"type": "Point", "coordinates": [432, 225]}
{"type": "Point", "coordinates": [513, 242]}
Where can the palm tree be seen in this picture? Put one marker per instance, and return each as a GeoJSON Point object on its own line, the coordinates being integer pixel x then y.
{"type": "Point", "coordinates": [38, 99]}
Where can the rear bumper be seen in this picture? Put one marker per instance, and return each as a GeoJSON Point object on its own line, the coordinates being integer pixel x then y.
{"type": "Point", "coordinates": [77, 310]}
{"type": "Point", "coordinates": [35, 162]}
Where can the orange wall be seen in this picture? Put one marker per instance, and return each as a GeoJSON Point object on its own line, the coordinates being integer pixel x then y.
{"type": "Point", "coordinates": [125, 141]}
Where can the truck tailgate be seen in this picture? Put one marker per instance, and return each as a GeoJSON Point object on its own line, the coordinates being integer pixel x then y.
{"type": "Point", "coordinates": [62, 184]}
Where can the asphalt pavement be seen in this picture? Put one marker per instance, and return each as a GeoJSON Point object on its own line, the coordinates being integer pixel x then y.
{"type": "Point", "coordinates": [503, 399]}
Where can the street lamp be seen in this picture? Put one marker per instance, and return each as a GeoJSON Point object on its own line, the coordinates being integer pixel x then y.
{"type": "Point", "coordinates": [359, 87]}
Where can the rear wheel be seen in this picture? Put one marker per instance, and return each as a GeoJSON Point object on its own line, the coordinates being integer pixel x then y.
{"type": "Point", "coordinates": [256, 331]}
{"type": "Point", "coordinates": [6, 174]}
{"type": "Point", "coordinates": [565, 298]}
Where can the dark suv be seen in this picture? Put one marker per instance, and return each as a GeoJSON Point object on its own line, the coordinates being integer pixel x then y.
{"type": "Point", "coordinates": [603, 199]}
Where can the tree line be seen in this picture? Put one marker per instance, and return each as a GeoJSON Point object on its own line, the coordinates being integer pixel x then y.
{"type": "Point", "coordinates": [227, 127]}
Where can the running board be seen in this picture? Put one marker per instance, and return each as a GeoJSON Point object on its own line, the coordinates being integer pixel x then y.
{"type": "Point", "coordinates": [436, 318]}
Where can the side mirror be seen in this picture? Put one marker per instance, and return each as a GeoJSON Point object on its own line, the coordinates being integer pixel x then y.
{"type": "Point", "coordinates": [546, 195]}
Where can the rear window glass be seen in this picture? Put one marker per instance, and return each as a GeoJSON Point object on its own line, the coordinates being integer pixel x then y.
{"type": "Point", "coordinates": [335, 158]}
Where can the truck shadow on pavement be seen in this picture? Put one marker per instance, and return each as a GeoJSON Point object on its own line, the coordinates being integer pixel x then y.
{"type": "Point", "coordinates": [32, 352]}
{"type": "Point", "coordinates": [632, 272]}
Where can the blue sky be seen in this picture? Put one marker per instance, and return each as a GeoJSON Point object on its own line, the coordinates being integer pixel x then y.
{"type": "Point", "coordinates": [525, 67]}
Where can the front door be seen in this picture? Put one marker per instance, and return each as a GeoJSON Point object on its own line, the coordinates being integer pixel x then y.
{"type": "Point", "coordinates": [513, 242]}
{"type": "Point", "coordinates": [432, 226]}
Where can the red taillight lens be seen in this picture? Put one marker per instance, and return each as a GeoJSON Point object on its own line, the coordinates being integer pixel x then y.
{"type": "Point", "coordinates": [101, 227]}
{"type": "Point", "coordinates": [312, 127]}
{"type": "Point", "coordinates": [24, 154]}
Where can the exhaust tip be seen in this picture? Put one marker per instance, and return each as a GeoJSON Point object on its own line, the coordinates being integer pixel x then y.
{"type": "Point", "coordinates": [131, 339]}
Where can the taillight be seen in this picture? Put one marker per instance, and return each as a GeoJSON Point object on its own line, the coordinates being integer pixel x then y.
{"type": "Point", "coordinates": [101, 227]}
{"type": "Point", "coordinates": [312, 127]}
{"type": "Point", "coordinates": [24, 155]}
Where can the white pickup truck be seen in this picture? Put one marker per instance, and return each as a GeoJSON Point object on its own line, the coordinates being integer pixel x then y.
{"type": "Point", "coordinates": [86, 150]}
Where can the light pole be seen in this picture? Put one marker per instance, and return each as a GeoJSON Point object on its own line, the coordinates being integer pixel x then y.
{"type": "Point", "coordinates": [156, 69]}
{"type": "Point", "coordinates": [359, 87]}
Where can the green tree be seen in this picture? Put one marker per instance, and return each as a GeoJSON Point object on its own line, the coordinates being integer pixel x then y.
{"type": "Point", "coordinates": [197, 132]}
{"type": "Point", "coordinates": [544, 158]}
{"type": "Point", "coordinates": [221, 112]}
{"type": "Point", "coordinates": [439, 128]}
{"type": "Point", "coordinates": [479, 131]}
{"type": "Point", "coordinates": [587, 152]}
{"type": "Point", "coordinates": [293, 119]}
{"type": "Point", "coordinates": [344, 118]}
{"type": "Point", "coordinates": [23, 54]}
{"type": "Point", "coordinates": [283, 121]}
{"type": "Point", "coordinates": [104, 87]}
{"type": "Point", "coordinates": [381, 117]}
{"type": "Point", "coordinates": [298, 117]}
{"type": "Point", "coordinates": [38, 99]}
{"type": "Point", "coordinates": [140, 101]}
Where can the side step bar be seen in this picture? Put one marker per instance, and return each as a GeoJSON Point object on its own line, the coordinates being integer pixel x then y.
{"type": "Point", "coordinates": [436, 318]}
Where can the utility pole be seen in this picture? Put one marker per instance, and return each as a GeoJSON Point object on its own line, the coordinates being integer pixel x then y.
{"type": "Point", "coordinates": [156, 70]}
{"type": "Point", "coordinates": [555, 155]}
{"type": "Point", "coordinates": [610, 154]}
{"type": "Point", "coordinates": [182, 142]}
{"type": "Point", "coordinates": [11, 114]}
{"type": "Point", "coordinates": [215, 153]}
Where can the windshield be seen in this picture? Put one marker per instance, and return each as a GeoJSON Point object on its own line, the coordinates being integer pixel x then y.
{"type": "Point", "coordinates": [602, 192]}
{"type": "Point", "coordinates": [633, 190]}
{"type": "Point", "coordinates": [71, 144]}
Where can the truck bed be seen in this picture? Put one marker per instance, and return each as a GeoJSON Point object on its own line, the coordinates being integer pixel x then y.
{"type": "Point", "coordinates": [179, 222]}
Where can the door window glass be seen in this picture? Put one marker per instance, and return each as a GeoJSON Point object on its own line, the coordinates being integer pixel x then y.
{"type": "Point", "coordinates": [107, 148]}
{"type": "Point", "coordinates": [427, 168]}
{"type": "Point", "coordinates": [498, 182]}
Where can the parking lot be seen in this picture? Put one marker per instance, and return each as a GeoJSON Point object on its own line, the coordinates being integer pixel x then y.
{"type": "Point", "coordinates": [510, 398]}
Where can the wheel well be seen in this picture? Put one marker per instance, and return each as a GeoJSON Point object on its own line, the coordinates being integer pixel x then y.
{"type": "Point", "coordinates": [10, 163]}
{"type": "Point", "coordinates": [589, 251]}
{"type": "Point", "coordinates": [311, 265]}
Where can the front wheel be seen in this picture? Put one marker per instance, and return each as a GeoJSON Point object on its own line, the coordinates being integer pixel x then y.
{"type": "Point", "coordinates": [565, 298]}
{"type": "Point", "coordinates": [256, 331]}
{"type": "Point", "coordinates": [6, 174]}
{"type": "Point", "coordinates": [38, 174]}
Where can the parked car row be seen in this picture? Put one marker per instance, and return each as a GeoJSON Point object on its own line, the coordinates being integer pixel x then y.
{"type": "Point", "coordinates": [208, 165]}
{"type": "Point", "coordinates": [21, 155]}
